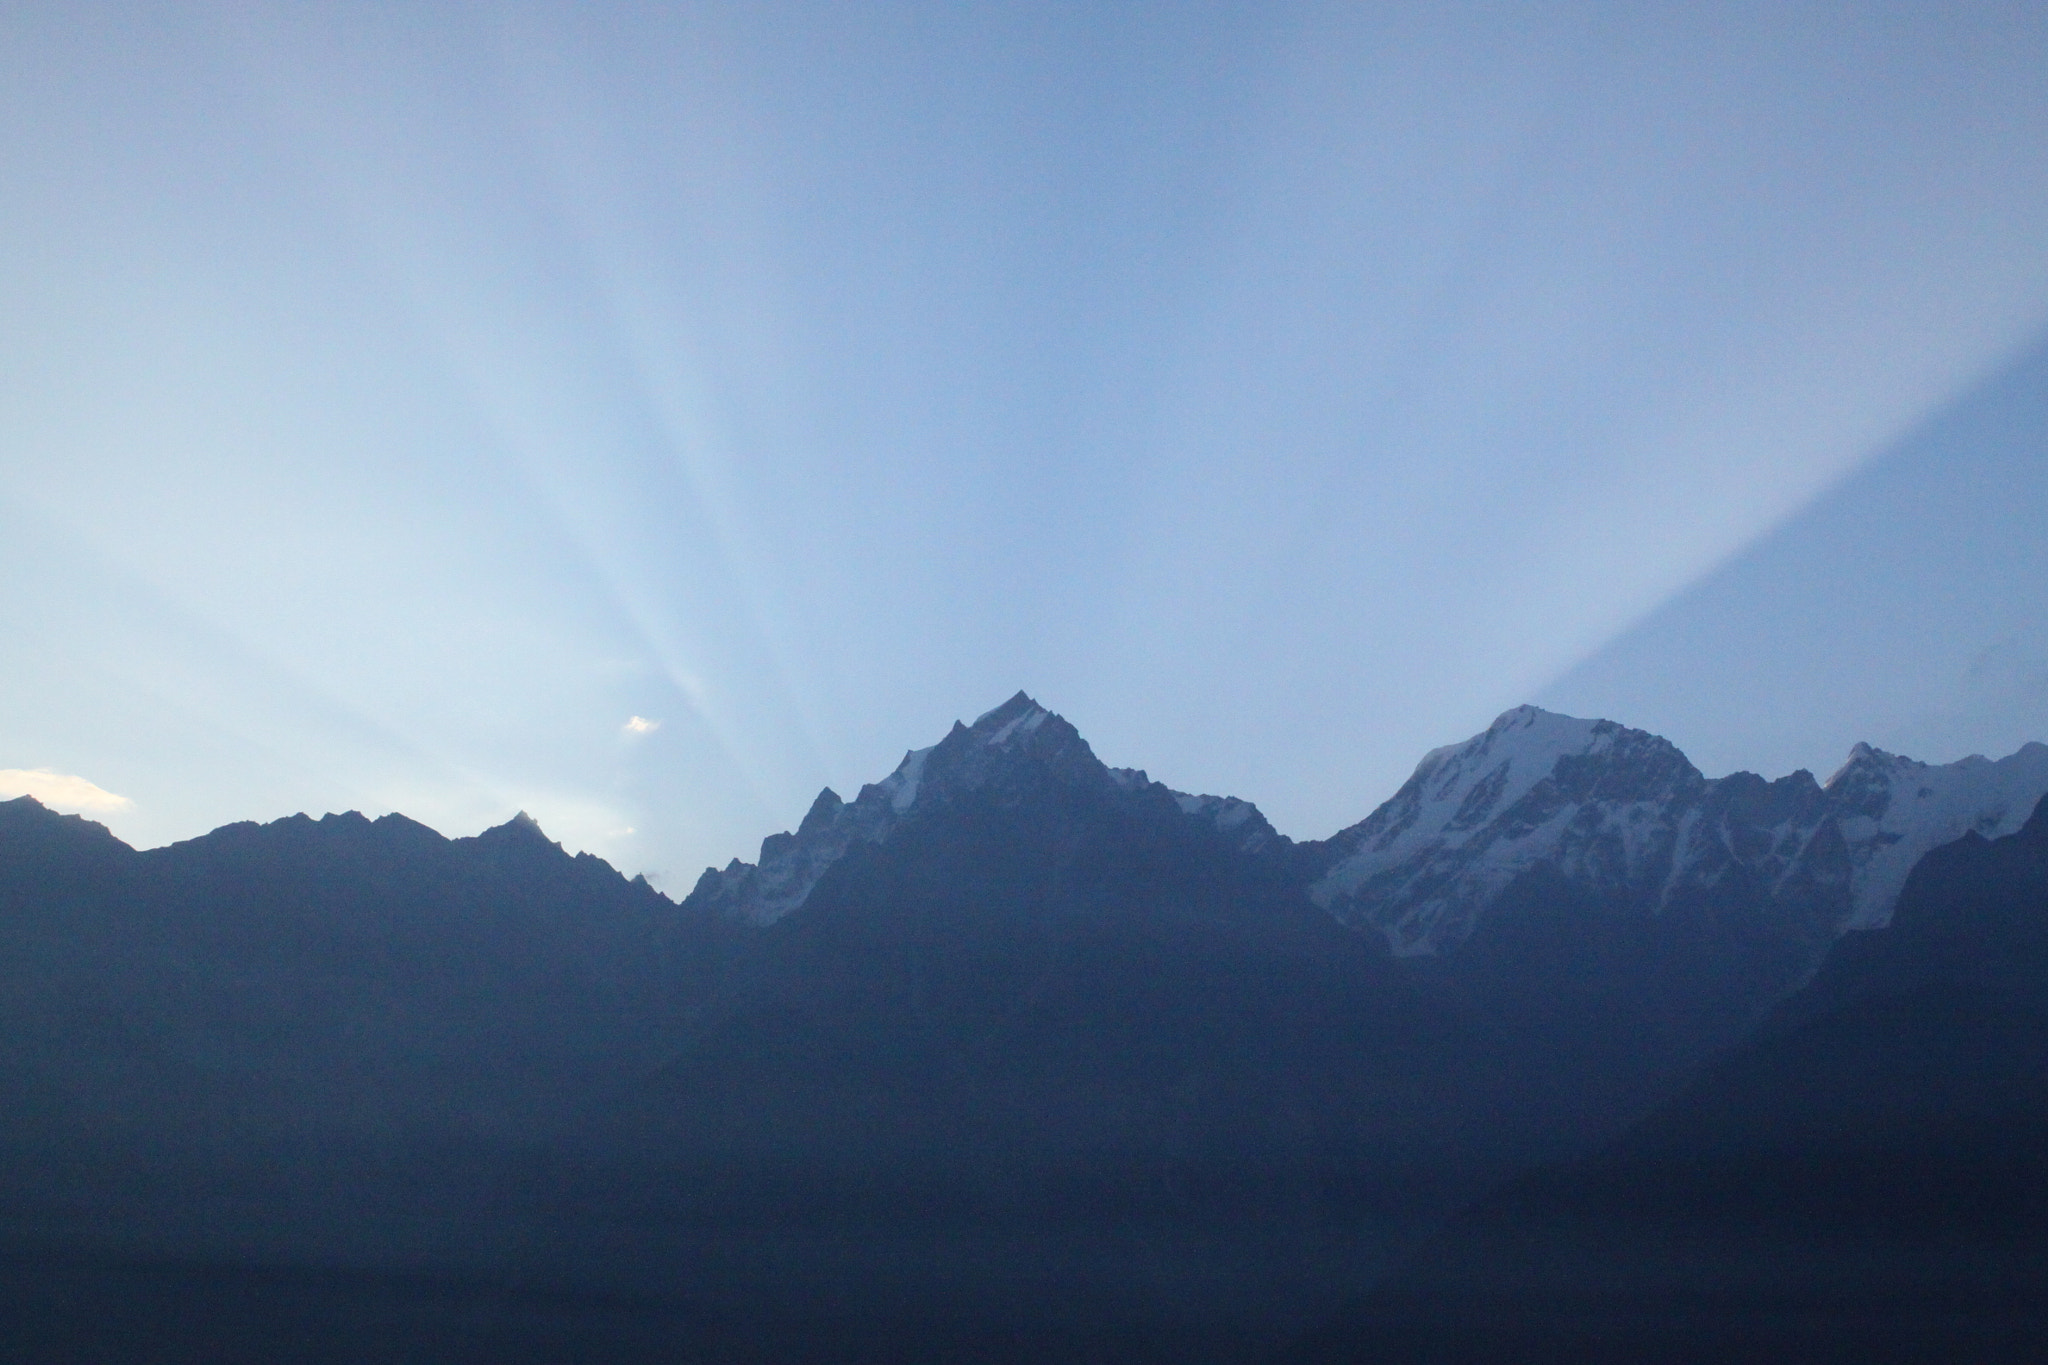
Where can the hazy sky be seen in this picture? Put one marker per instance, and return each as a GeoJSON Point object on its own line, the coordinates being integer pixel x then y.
{"type": "Point", "coordinates": [646, 415]}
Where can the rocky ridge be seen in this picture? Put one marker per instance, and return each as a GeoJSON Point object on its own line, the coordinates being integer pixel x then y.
{"type": "Point", "coordinates": [1625, 813]}
{"type": "Point", "coordinates": [1620, 813]}
{"type": "Point", "coordinates": [1017, 735]}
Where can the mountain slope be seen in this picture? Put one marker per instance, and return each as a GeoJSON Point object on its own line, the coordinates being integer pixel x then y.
{"type": "Point", "coordinates": [1012, 1038]}
{"type": "Point", "coordinates": [255, 1012]}
{"type": "Point", "coordinates": [1863, 1180]}
{"type": "Point", "coordinates": [1595, 916]}
{"type": "Point", "coordinates": [1624, 812]}
{"type": "Point", "coordinates": [928, 781]}
{"type": "Point", "coordinates": [1895, 809]}
{"type": "Point", "coordinates": [1063, 1017]}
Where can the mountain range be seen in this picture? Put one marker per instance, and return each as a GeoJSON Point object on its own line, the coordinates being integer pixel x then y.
{"type": "Point", "coordinates": [1865, 1178]}
{"type": "Point", "coordinates": [1610, 807]}
{"type": "Point", "coordinates": [1012, 1041]}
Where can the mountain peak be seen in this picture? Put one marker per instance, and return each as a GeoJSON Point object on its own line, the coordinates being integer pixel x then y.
{"type": "Point", "coordinates": [1892, 809]}
{"type": "Point", "coordinates": [1865, 759]}
{"type": "Point", "coordinates": [1018, 734]}
{"type": "Point", "coordinates": [24, 817]}
{"type": "Point", "coordinates": [1013, 720]}
{"type": "Point", "coordinates": [1476, 815]}
{"type": "Point", "coordinates": [1016, 707]}
{"type": "Point", "coordinates": [824, 810]}
{"type": "Point", "coordinates": [522, 830]}
{"type": "Point", "coordinates": [1015, 753]}
{"type": "Point", "coordinates": [1624, 811]}
{"type": "Point", "coordinates": [1527, 717]}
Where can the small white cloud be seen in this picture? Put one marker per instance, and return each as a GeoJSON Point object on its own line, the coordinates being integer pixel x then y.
{"type": "Point", "coordinates": [60, 791]}
{"type": "Point", "coordinates": [640, 725]}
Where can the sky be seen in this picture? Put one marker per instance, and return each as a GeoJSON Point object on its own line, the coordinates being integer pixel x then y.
{"type": "Point", "coordinates": [644, 416]}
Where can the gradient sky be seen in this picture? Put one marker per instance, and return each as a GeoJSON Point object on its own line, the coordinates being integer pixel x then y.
{"type": "Point", "coordinates": [646, 415]}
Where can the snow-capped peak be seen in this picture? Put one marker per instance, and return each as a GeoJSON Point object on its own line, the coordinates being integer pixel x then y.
{"type": "Point", "coordinates": [1018, 747]}
{"type": "Point", "coordinates": [1620, 812]}
{"type": "Point", "coordinates": [996, 722]}
{"type": "Point", "coordinates": [1017, 737]}
{"type": "Point", "coordinates": [1017, 726]}
{"type": "Point", "coordinates": [1624, 814]}
{"type": "Point", "coordinates": [1587, 796]}
{"type": "Point", "coordinates": [1002, 730]}
{"type": "Point", "coordinates": [1496, 768]}
{"type": "Point", "coordinates": [1893, 809]}
{"type": "Point", "coordinates": [1468, 794]}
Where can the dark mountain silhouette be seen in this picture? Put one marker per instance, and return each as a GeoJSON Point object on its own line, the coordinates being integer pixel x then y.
{"type": "Point", "coordinates": [1866, 1179]}
{"type": "Point", "coordinates": [1011, 1047]}
{"type": "Point", "coordinates": [206, 1043]}
{"type": "Point", "coordinates": [1058, 1014]}
{"type": "Point", "coordinates": [1011, 992]}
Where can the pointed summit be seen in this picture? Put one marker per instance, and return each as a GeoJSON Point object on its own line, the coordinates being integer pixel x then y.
{"type": "Point", "coordinates": [1476, 815]}
{"type": "Point", "coordinates": [31, 823]}
{"type": "Point", "coordinates": [1893, 809]}
{"type": "Point", "coordinates": [1018, 736]}
{"type": "Point", "coordinates": [1527, 717]}
{"type": "Point", "coordinates": [521, 831]}
{"type": "Point", "coordinates": [822, 813]}
{"type": "Point", "coordinates": [1626, 817]}
{"type": "Point", "coordinates": [1018, 754]}
{"type": "Point", "coordinates": [1016, 707]}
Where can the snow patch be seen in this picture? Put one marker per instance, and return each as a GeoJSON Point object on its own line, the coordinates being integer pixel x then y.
{"type": "Point", "coordinates": [1899, 809]}
{"type": "Point", "coordinates": [901, 786]}
{"type": "Point", "coordinates": [1458, 791]}
{"type": "Point", "coordinates": [1017, 727]}
{"type": "Point", "coordinates": [1623, 812]}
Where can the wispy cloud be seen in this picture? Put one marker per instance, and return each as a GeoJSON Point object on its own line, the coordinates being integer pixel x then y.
{"type": "Point", "coordinates": [61, 790]}
{"type": "Point", "coordinates": [640, 725]}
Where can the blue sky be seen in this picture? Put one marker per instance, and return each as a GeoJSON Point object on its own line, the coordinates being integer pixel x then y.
{"type": "Point", "coordinates": [400, 400]}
